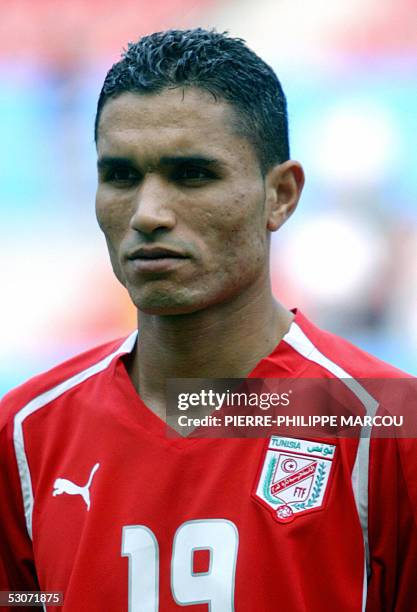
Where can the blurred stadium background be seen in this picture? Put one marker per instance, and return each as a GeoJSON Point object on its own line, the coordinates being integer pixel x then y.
{"type": "Point", "coordinates": [348, 257]}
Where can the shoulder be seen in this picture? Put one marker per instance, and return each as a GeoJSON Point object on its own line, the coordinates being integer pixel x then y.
{"type": "Point", "coordinates": [44, 387]}
{"type": "Point", "coordinates": [335, 354]}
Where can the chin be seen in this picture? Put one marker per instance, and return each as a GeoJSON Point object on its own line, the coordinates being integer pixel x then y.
{"type": "Point", "coordinates": [164, 303]}
{"type": "Point", "coordinates": [173, 311]}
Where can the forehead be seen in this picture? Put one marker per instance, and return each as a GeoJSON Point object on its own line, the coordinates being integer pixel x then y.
{"type": "Point", "coordinates": [189, 120]}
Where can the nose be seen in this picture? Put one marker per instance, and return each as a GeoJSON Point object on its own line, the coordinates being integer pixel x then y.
{"type": "Point", "coordinates": [153, 208]}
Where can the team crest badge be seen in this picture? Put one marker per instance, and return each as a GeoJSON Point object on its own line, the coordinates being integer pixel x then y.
{"type": "Point", "coordinates": [295, 476]}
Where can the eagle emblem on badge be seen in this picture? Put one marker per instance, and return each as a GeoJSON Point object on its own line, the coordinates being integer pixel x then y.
{"type": "Point", "coordinates": [294, 477]}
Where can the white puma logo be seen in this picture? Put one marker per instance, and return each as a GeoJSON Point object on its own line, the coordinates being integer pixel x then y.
{"type": "Point", "coordinates": [63, 485]}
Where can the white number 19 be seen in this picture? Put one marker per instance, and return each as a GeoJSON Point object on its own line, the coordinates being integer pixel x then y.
{"type": "Point", "coordinates": [214, 587]}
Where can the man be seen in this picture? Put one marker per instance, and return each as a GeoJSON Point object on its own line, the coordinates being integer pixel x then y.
{"type": "Point", "coordinates": [97, 502]}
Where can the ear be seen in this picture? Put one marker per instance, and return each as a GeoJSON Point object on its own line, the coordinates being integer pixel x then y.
{"type": "Point", "coordinates": [283, 187]}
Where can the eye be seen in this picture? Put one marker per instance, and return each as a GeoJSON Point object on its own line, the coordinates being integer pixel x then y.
{"type": "Point", "coordinates": [193, 174]}
{"type": "Point", "coordinates": [121, 175]}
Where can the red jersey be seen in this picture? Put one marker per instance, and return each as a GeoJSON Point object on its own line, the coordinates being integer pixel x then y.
{"type": "Point", "coordinates": [97, 502]}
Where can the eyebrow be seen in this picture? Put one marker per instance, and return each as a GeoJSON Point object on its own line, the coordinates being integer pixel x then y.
{"type": "Point", "coordinates": [109, 162]}
{"type": "Point", "coordinates": [197, 160]}
{"type": "Point", "coordinates": [106, 161]}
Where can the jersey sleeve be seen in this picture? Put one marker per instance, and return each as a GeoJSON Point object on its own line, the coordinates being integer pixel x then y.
{"type": "Point", "coordinates": [17, 567]}
{"type": "Point", "coordinates": [392, 525]}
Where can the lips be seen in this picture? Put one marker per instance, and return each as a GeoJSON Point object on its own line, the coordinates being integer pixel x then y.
{"type": "Point", "coordinates": [155, 259]}
{"type": "Point", "coordinates": [155, 252]}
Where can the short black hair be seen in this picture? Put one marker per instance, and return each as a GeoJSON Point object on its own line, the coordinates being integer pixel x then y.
{"type": "Point", "coordinates": [218, 63]}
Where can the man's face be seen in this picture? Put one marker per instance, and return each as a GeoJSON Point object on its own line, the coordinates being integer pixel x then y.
{"type": "Point", "coordinates": [181, 201]}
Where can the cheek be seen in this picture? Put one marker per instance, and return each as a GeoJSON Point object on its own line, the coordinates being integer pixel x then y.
{"type": "Point", "coordinates": [236, 238]}
{"type": "Point", "coordinates": [241, 225]}
{"type": "Point", "coordinates": [102, 211]}
{"type": "Point", "coordinates": [112, 224]}
{"type": "Point", "coordinates": [110, 217]}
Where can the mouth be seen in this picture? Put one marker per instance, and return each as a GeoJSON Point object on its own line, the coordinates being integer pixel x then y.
{"type": "Point", "coordinates": [151, 259]}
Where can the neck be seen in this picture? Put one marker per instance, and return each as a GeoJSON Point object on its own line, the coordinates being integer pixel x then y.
{"type": "Point", "coordinates": [224, 341]}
